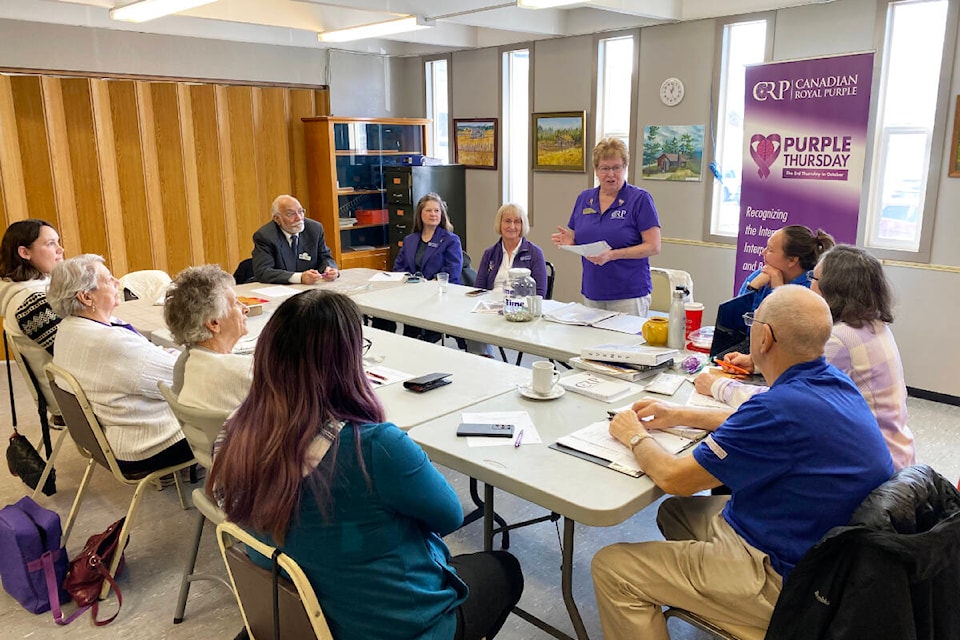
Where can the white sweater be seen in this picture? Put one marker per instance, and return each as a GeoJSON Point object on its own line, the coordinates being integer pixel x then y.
{"type": "Point", "coordinates": [118, 370]}
{"type": "Point", "coordinates": [216, 381]}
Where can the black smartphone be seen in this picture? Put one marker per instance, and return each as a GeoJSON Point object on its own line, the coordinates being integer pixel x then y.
{"type": "Point", "coordinates": [411, 279]}
{"type": "Point", "coordinates": [428, 382]}
{"type": "Point", "coordinates": [488, 430]}
{"type": "Point", "coordinates": [476, 292]}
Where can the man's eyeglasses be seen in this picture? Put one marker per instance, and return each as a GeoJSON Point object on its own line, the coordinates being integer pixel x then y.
{"type": "Point", "coordinates": [366, 345]}
{"type": "Point", "coordinates": [811, 277]}
{"type": "Point", "coordinates": [749, 318]}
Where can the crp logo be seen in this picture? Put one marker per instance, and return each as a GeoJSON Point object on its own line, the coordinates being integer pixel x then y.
{"type": "Point", "coordinates": [768, 89]}
{"type": "Point", "coordinates": [619, 214]}
{"type": "Point", "coordinates": [764, 151]}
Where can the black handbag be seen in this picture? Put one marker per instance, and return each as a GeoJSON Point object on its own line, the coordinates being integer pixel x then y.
{"type": "Point", "coordinates": [24, 461]}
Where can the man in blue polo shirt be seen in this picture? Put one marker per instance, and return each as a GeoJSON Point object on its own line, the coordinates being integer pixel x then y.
{"type": "Point", "coordinates": [798, 460]}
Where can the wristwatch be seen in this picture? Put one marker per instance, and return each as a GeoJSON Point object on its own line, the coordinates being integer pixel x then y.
{"type": "Point", "coordinates": [637, 439]}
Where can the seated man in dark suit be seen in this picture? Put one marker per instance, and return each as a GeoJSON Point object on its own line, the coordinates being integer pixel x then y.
{"type": "Point", "coordinates": [290, 249]}
{"type": "Point", "coordinates": [798, 459]}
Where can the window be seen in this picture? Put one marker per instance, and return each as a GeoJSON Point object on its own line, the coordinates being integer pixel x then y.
{"type": "Point", "coordinates": [516, 126]}
{"type": "Point", "coordinates": [614, 88]}
{"type": "Point", "coordinates": [906, 115]}
{"type": "Point", "coordinates": [437, 109]}
{"type": "Point", "coordinates": [743, 43]}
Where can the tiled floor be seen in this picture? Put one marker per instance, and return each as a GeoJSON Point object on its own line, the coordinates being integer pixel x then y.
{"type": "Point", "coordinates": [161, 537]}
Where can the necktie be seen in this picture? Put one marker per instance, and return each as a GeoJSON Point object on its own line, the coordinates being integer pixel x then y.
{"type": "Point", "coordinates": [294, 246]}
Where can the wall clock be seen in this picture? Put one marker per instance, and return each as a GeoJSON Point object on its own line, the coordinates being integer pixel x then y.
{"type": "Point", "coordinates": [671, 92]}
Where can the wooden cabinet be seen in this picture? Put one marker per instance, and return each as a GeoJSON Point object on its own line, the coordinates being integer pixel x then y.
{"type": "Point", "coordinates": [346, 160]}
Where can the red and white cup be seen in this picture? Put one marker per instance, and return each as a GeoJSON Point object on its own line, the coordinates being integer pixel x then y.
{"type": "Point", "coordinates": [694, 317]}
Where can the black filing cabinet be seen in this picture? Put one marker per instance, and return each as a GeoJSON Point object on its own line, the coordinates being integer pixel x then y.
{"type": "Point", "coordinates": [406, 185]}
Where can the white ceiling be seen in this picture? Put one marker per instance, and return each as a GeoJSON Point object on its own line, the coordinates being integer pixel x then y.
{"type": "Point", "coordinates": [460, 24]}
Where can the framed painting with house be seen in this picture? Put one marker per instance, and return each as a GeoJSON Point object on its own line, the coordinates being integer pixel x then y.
{"type": "Point", "coordinates": [475, 142]}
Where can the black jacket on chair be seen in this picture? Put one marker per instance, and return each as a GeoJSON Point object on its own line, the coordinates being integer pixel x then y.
{"type": "Point", "coordinates": [892, 574]}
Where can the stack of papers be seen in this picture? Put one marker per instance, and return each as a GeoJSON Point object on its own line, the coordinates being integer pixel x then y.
{"type": "Point", "coordinates": [388, 276]}
{"type": "Point", "coordinates": [488, 306]}
{"type": "Point", "coordinates": [587, 250]}
{"type": "Point", "coordinates": [594, 443]}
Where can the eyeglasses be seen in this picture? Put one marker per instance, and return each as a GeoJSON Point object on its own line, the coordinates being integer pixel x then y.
{"type": "Point", "coordinates": [605, 169]}
{"type": "Point", "coordinates": [811, 277]}
{"type": "Point", "coordinates": [749, 318]}
{"type": "Point", "coordinates": [294, 213]}
{"type": "Point", "coordinates": [366, 345]}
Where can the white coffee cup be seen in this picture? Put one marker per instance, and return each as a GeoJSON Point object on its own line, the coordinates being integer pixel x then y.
{"type": "Point", "coordinates": [443, 279]}
{"type": "Point", "coordinates": [544, 377]}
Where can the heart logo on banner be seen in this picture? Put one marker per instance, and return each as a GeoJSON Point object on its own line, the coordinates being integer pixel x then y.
{"type": "Point", "coordinates": [764, 150]}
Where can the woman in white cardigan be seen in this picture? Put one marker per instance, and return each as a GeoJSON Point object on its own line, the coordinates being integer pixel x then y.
{"type": "Point", "coordinates": [203, 313]}
{"type": "Point", "coordinates": [117, 367]}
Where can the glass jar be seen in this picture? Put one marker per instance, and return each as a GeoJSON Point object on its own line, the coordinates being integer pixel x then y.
{"type": "Point", "coordinates": [519, 289]}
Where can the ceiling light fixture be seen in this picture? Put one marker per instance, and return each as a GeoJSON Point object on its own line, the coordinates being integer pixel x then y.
{"type": "Point", "coordinates": [376, 29]}
{"type": "Point", "coordinates": [144, 10]}
{"type": "Point", "coordinates": [547, 4]}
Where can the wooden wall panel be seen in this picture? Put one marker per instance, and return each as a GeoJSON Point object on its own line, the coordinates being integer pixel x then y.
{"type": "Point", "coordinates": [129, 160]}
{"type": "Point", "coordinates": [302, 105]}
{"type": "Point", "coordinates": [170, 165]}
{"type": "Point", "coordinates": [31, 137]}
{"type": "Point", "coordinates": [84, 164]}
{"type": "Point", "coordinates": [151, 174]}
{"type": "Point", "coordinates": [212, 219]}
{"type": "Point", "coordinates": [272, 144]}
{"type": "Point", "coordinates": [250, 215]}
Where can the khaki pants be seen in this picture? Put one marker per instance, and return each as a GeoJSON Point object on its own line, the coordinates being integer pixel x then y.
{"type": "Point", "coordinates": [704, 567]}
{"type": "Point", "coordinates": [631, 306]}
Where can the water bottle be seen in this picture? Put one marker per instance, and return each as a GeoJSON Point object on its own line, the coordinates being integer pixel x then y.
{"type": "Point", "coordinates": [678, 319]}
{"type": "Point", "coordinates": [518, 291]}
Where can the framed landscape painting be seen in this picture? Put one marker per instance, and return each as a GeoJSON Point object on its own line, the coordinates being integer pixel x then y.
{"type": "Point", "coordinates": [559, 141]}
{"type": "Point", "coordinates": [475, 142]}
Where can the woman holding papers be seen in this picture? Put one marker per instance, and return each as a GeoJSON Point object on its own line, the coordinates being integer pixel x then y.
{"type": "Point", "coordinates": [203, 313]}
{"type": "Point", "coordinates": [309, 464]}
{"type": "Point", "coordinates": [624, 217]}
{"type": "Point", "coordinates": [861, 345]}
{"type": "Point", "coordinates": [512, 251]}
{"type": "Point", "coordinates": [791, 252]}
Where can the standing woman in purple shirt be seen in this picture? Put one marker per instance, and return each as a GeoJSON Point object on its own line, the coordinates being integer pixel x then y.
{"type": "Point", "coordinates": [624, 216]}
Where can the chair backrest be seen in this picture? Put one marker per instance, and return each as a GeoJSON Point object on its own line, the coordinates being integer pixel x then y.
{"type": "Point", "coordinates": [148, 284]}
{"type": "Point", "coordinates": [33, 383]}
{"type": "Point", "coordinates": [244, 272]}
{"type": "Point", "coordinates": [299, 610]}
{"type": "Point", "coordinates": [664, 281]}
{"type": "Point", "coordinates": [85, 429]}
{"type": "Point", "coordinates": [551, 277]}
{"type": "Point", "coordinates": [468, 275]}
{"type": "Point", "coordinates": [199, 426]}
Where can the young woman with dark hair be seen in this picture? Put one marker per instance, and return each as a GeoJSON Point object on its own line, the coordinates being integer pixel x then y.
{"type": "Point", "coordinates": [791, 252]}
{"type": "Point", "coordinates": [309, 464]}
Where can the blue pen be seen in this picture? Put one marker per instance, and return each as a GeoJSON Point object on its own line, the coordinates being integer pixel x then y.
{"type": "Point", "coordinates": [518, 440]}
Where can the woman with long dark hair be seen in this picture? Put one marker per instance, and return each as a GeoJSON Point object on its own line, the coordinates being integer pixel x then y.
{"type": "Point", "coordinates": [309, 464]}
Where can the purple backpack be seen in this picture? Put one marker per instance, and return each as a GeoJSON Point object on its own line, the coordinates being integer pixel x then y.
{"type": "Point", "coordinates": [30, 538]}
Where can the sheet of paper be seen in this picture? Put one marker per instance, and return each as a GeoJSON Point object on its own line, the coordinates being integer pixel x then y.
{"type": "Point", "coordinates": [697, 399]}
{"type": "Point", "coordinates": [488, 306]}
{"type": "Point", "coordinates": [587, 250]}
{"type": "Point", "coordinates": [596, 440]}
{"type": "Point", "coordinates": [576, 313]}
{"type": "Point", "coordinates": [665, 384]}
{"type": "Point", "coordinates": [278, 291]}
{"type": "Point", "coordinates": [623, 323]}
{"type": "Point", "coordinates": [381, 376]}
{"type": "Point", "coordinates": [519, 419]}
{"type": "Point", "coordinates": [388, 276]}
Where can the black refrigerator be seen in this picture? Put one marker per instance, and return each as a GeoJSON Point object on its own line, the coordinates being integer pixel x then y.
{"type": "Point", "coordinates": [406, 185]}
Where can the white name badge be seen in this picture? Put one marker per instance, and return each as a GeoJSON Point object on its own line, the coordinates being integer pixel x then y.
{"type": "Point", "coordinates": [304, 256]}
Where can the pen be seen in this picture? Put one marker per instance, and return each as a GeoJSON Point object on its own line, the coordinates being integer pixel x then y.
{"type": "Point", "coordinates": [374, 381]}
{"type": "Point", "coordinates": [376, 375]}
{"type": "Point", "coordinates": [518, 440]}
{"type": "Point", "coordinates": [723, 364]}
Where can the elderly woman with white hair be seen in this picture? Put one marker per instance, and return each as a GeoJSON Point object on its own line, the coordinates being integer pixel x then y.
{"type": "Point", "coordinates": [117, 367]}
{"type": "Point", "coordinates": [513, 251]}
{"type": "Point", "coordinates": [203, 313]}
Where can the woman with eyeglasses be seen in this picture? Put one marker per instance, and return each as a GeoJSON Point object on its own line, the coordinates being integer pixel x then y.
{"type": "Point", "coordinates": [624, 217]}
{"type": "Point", "coordinates": [310, 464]}
{"type": "Point", "coordinates": [790, 254]}
{"type": "Point", "coordinates": [861, 345]}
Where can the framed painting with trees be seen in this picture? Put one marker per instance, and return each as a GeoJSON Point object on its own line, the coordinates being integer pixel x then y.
{"type": "Point", "coordinates": [673, 152]}
{"type": "Point", "coordinates": [558, 141]}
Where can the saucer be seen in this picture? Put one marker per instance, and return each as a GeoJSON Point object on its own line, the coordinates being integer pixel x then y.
{"type": "Point", "coordinates": [527, 392]}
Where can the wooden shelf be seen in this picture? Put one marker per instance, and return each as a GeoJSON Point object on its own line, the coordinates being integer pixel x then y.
{"type": "Point", "coordinates": [359, 192]}
{"type": "Point", "coordinates": [364, 226]}
{"type": "Point", "coordinates": [375, 152]}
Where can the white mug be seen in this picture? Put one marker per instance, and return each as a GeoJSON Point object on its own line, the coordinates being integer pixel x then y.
{"type": "Point", "coordinates": [544, 377]}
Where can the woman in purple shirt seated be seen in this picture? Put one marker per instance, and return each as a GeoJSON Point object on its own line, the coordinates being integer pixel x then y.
{"type": "Point", "coordinates": [861, 345]}
{"type": "Point", "coordinates": [513, 251]}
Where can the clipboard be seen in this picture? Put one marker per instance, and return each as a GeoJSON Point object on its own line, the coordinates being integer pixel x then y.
{"type": "Point", "coordinates": [596, 460]}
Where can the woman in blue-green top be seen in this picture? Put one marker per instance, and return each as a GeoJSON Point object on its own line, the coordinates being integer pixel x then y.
{"type": "Point", "coordinates": [791, 252]}
{"type": "Point", "coordinates": [309, 464]}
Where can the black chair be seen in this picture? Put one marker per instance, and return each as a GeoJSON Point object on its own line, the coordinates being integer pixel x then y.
{"type": "Point", "coordinates": [244, 272]}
